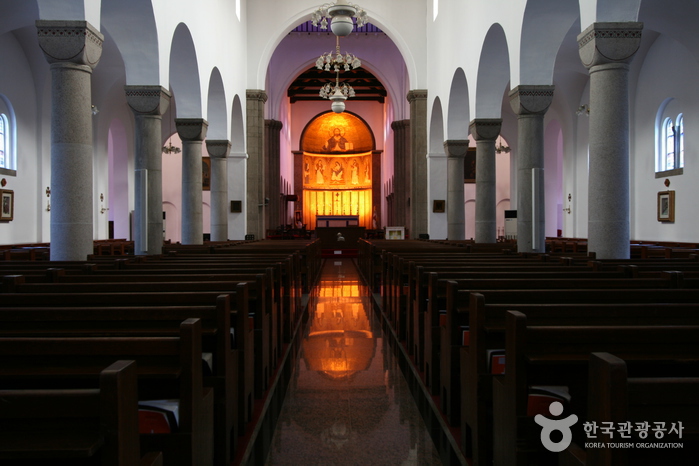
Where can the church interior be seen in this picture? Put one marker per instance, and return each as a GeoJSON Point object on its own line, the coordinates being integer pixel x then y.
{"type": "Point", "coordinates": [350, 174]}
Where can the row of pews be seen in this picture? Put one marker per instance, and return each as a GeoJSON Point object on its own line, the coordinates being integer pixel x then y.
{"type": "Point", "coordinates": [492, 333]}
{"type": "Point", "coordinates": [186, 342]}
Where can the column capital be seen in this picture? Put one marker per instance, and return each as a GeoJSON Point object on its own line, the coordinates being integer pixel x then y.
{"type": "Point", "coordinates": [256, 94]}
{"type": "Point", "coordinates": [400, 125]}
{"type": "Point", "coordinates": [416, 94]}
{"type": "Point", "coordinates": [147, 100]}
{"type": "Point", "coordinates": [531, 99]}
{"type": "Point", "coordinates": [75, 42]}
{"type": "Point", "coordinates": [274, 125]}
{"type": "Point", "coordinates": [191, 129]}
{"type": "Point", "coordinates": [218, 148]}
{"type": "Point", "coordinates": [606, 43]}
{"type": "Point", "coordinates": [456, 147]}
{"type": "Point", "coordinates": [485, 129]}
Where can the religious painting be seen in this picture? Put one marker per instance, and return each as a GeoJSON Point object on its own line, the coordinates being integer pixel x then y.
{"type": "Point", "coordinates": [206, 173]}
{"type": "Point", "coordinates": [337, 133]}
{"type": "Point", "coordinates": [7, 205]}
{"type": "Point", "coordinates": [666, 206]}
{"type": "Point", "coordinates": [470, 166]}
{"type": "Point", "coordinates": [341, 172]}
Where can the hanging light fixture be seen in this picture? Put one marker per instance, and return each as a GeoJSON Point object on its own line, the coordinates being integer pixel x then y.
{"type": "Point", "coordinates": [334, 61]}
{"type": "Point", "coordinates": [337, 62]}
{"type": "Point", "coordinates": [338, 93]}
{"type": "Point", "coordinates": [170, 149]}
{"type": "Point", "coordinates": [340, 14]}
{"type": "Point", "coordinates": [500, 148]}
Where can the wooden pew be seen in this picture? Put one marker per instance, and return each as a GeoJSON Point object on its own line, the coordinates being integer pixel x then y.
{"type": "Point", "coordinates": [447, 345]}
{"type": "Point", "coordinates": [168, 368]}
{"type": "Point", "coordinates": [61, 426]}
{"type": "Point", "coordinates": [243, 354]}
{"type": "Point", "coordinates": [485, 311]}
{"type": "Point", "coordinates": [226, 351]}
{"type": "Point", "coordinates": [615, 397]}
{"type": "Point", "coordinates": [558, 355]}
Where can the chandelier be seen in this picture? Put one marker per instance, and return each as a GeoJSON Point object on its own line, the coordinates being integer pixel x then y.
{"type": "Point", "coordinates": [336, 61]}
{"type": "Point", "coordinates": [340, 14]}
{"type": "Point", "coordinates": [333, 61]}
{"type": "Point", "coordinates": [170, 149]}
{"type": "Point", "coordinates": [338, 93]}
{"type": "Point", "coordinates": [500, 148]}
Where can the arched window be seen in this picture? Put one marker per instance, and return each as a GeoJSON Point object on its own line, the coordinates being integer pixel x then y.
{"type": "Point", "coordinates": [3, 141]}
{"type": "Point", "coordinates": [679, 135]}
{"type": "Point", "coordinates": [8, 138]}
{"type": "Point", "coordinates": [669, 139]}
{"type": "Point", "coordinates": [669, 146]}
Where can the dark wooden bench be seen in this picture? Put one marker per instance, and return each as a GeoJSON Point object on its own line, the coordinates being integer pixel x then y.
{"type": "Point", "coordinates": [485, 311]}
{"type": "Point", "coordinates": [558, 355]}
{"type": "Point", "coordinates": [68, 426]}
{"type": "Point", "coordinates": [168, 368]}
{"type": "Point", "coordinates": [615, 396]}
{"type": "Point", "coordinates": [227, 352]}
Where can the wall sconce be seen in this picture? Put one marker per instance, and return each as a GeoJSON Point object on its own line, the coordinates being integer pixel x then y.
{"type": "Point", "coordinates": [567, 209]}
{"type": "Point", "coordinates": [48, 202]}
{"type": "Point", "coordinates": [103, 209]}
{"type": "Point", "coordinates": [583, 110]}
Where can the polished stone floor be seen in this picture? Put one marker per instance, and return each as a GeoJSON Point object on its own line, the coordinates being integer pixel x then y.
{"type": "Point", "coordinates": [347, 402]}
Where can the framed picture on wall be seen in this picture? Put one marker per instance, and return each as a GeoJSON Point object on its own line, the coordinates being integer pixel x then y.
{"type": "Point", "coordinates": [666, 206]}
{"type": "Point", "coordinates": [7, 205]}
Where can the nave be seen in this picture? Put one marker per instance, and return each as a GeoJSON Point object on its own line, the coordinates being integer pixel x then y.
{"type": "Point", "coordinates": [348, 401]}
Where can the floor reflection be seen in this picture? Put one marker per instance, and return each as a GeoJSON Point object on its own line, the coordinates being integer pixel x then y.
{"type": "Point", "coordinates": [347, 401]}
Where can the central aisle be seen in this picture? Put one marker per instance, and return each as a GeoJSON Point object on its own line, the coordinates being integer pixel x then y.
{"type": "Point", "coordinates": [347, 401]}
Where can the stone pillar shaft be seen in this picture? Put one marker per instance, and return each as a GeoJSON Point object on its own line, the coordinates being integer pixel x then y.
{"type": "Point", "coordinates": [272, 134]}
{"type": "Point", "coordinates": [530, 104]}
{"type": "Point", "coordinates": [148, 104]}
{"type": "Point", "coordinates": [192, 131]}
{"type": "Point", "coordinates": [606, 49]}
{"type": "Point", "coordinates": [256, 179]}
{"type": "Point", "coordinates": [73, 49]}
{"type": "Point", "coordinates": [418, 157]}
{"type": "Point", "coordinates": [218, 151]}
{"type": "Point", "coordinates": [485, 131]}
{"type": "Point", "coordinates": [401, 172]}
{"type": "Point", "coordinates": [456, 214]}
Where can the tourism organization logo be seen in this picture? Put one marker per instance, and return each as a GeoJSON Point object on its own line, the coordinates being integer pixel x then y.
{"type": "Point", "coordinates": [551, 425]}
{"type": "Point", "coordinates": [650, 434]}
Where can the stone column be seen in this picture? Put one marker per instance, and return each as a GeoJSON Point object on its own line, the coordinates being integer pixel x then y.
{"type": "Point", "coordinates": [192, 131]}
{"type": "Point", "coordinates": [256, 182]}
{"type": "Point", "coordinates": [401, 172]}
{"type": "Point", "coordinates": [272, 157]}
{"type": "Point", "coordinates": [456, 216]}
{"type": "Point", "coordinates": [218, 151]}
{"type": "Point", "coordinates": [606, 49]}
{"type": "Point", "coordinates": [485, 131]}
{"type": "Point", "coordinates": [73, 49]}
{"type": "Point", "coordinates": [148, 104]}
{"type": "Point", "coordinates": [418, 156]}
{"type": "Point", "coordinates": [530, 104]}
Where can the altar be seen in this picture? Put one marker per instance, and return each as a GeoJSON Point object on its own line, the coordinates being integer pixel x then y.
{"type": "Point", "coordinates": [337, 221]}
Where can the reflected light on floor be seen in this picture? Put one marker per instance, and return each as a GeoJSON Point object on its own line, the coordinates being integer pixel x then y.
{"type": "Point", "coordinates": [339, 342]}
